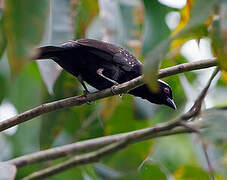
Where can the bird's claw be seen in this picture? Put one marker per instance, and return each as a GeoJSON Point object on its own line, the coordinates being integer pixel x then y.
{"type": "Point", "coordinates": [113, 89]}
{"type": "Point", "coordinates": [85, 93]}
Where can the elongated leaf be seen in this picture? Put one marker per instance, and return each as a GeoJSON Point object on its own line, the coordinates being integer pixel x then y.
{"type": "Point", "coordinates": [3, 88]}
{"type": "Point", "coordinates": [58, 30]}
{"type": "Point", "coordinates": [54, 123]}
{"type": "Point", "coordinates": [24, 23]}
{"type": "Point", "coordinates": [151, 170]}
{"type": "Point", "coordinates": [217, 122]}
{"type": "Point", "coordinates": [191, 172]}
{"type": "Point", "coordinates": [195, 28]}
{"type": "Point", "coordinates": [174, 151]}
{"type": "Point", "coordinates": [85, 11]}
{"type": "Point", "coordinates": [2, 39]}
{"type": "Point", "coordinates": [25, 93]}
{"type": "Point", "coordinates": [74, 123]}
{"type": "Point", "coordinates": [123, 120]}
{"type": "Point", "coordinates": [219, 38]}
{"type": "Point", "coordinates": [155, 29]}
{"type": "Point", "coordinates": [147, 171]}
{"type": "Point", "coordinates": [152, 62]}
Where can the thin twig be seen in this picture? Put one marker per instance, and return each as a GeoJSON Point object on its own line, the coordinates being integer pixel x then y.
{"type": "Point", "coordinates": [96, 155]}
{"type": "Point", "coordinates": [210, 168]}
{"type": "Point", "coordinates": [119, 89]}
{"type": "Point", "coordinates": [195, 109]}
{"type": "Point", "coordinates": [187, 67]}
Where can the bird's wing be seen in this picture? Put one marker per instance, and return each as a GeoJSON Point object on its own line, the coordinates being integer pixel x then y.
{"type": "Point", "coordinates": [110, 52]}
{"type": "Point", "coordinates": [99, 45]}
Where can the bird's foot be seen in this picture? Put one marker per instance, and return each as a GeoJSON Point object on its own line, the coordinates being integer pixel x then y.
{"type": "Point", "coordinates": [113, 89]}
{"type": "Point", "coordinates": [85, 93]}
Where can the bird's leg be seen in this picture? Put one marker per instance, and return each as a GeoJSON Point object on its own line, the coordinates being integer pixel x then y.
{"type": "Point", "coordinates": [85, 91]}
{"type": "Point", "coordinates": [99, 72]}
{"type": "Point", "coordinates": [83, 84]}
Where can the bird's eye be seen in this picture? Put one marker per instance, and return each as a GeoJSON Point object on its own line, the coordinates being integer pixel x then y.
{"type": "Point", "coordinates": [166, 90]}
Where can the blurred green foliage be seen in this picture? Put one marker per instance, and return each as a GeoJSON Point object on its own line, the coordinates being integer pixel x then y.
{"type": "Point", "coordinates": [141, 28]}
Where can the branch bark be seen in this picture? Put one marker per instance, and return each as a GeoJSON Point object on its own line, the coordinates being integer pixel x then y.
{"type": "Point", "coordinates": [119, 89]}
{"type": "Point", "coordinates": [159, 130]}
{"type": "Point", "coordinates": [121, 143]}
{"type": "Point", "coordinates": [78, 160]}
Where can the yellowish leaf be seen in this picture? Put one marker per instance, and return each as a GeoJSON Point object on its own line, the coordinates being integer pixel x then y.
{"type": "Point", "coordinates": [109, 106]}
{"type": "Point", "coordinates": [224, 76]}
{"type": "Point", "coordinates": [185, 16]}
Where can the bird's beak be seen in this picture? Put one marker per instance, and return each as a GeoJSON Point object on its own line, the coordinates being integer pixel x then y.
{"type": "Point", "coordinates": [171, 103]}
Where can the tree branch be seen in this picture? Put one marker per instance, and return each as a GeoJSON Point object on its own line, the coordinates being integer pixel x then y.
{"type": "Point", "coordinates": [159, 130]}
{"type": "Point", "coordinates": [210, 168]}
{"type": "Point", "coordinates": [113, 143]}
{"type": "Point", "coordinates": [78, 160]}
{"type": "Point", "coordinates": [119, 89]}
{"type": "Point", "coordinates": [202, 64]}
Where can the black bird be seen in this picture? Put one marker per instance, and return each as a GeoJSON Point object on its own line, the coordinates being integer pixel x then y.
{"type": "Point", "coordinates": [103, 65]}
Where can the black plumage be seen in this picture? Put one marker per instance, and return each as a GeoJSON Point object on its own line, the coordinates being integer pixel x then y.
{"type": "Point", "coordinates": [103, 65]}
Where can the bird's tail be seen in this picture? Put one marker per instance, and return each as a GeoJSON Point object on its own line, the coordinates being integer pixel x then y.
{"type": "Point", "coordinates": [47, 52]}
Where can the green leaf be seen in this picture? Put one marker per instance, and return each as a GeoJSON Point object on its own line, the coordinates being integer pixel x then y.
{"type": "Point", "coordinates": [217, 125]}
{"type": "Point", "coordinates": [155, 29]}
{"type": "Point", "coordinates": [195, 28]}
{"type": "Point", "coordinates": [123, 120]}
{"type": "Point", "coordinates": [174, 151]}
{"type": "Point", "coordinates": [191, 172]}
{"type": "Point", "coordinates": [74, 173]}
{"type": "Point", "coordinates": [130, 29]}
{"type": "Point", "coordinates": [2, 39]}
{"type": "Point", "coordinates": [89, 173]}
{"type": "Point", "coordinates": [25, 93]}
{"type": "Point", "coordinates": [66, 124]}
{"type": "Point", "coordinates": [151, 170]}
{"type": "Point", "coordinates": [24, 22]}
{"type": "Point", "coordinates": [25, 90]}
{"type": "Point", "coordinates": [58, 30]}
{"type": "Point", "coordinates": [148, 170]}
{"type": "Point", "coordinates": [218, 37]}
{"type": "Point", "coordinates": [85, 10]}
{"type": "Point", "coordinates": [152, 63]}
{"type": "Point", "coordinates": [54, 123]}
{"type": "Point", "coordinates": [200, 12]}
{"type": "Point", "coordinates": [112, 125]}
{"type": "Point", "coordinates": [3, 89]}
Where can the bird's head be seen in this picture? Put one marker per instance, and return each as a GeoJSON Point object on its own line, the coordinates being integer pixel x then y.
{"type": "Point", "coordinates": [165, 95]}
